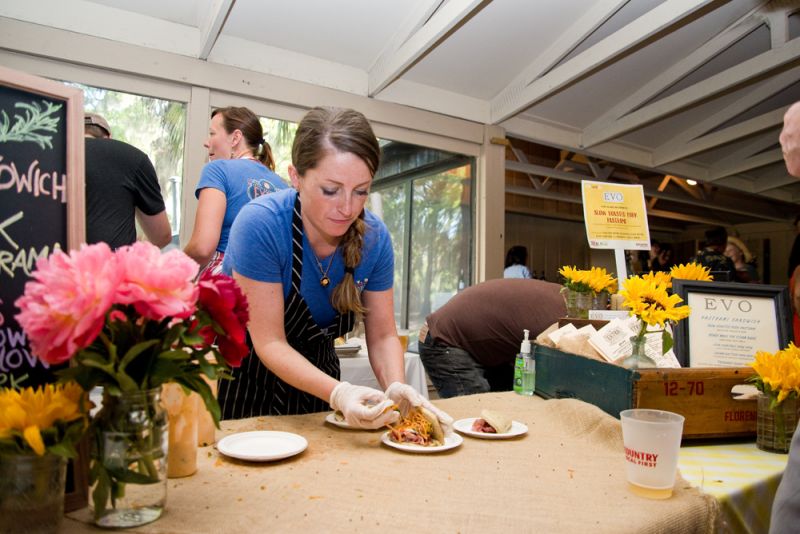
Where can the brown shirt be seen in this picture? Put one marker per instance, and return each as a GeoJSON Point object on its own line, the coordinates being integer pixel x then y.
{"type": "Point", "coordinates": [487, 319]}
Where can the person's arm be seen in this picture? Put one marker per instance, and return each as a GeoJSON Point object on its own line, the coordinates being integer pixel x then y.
{"type": "Point", "coordinates": [207, 225]}
{"type": "Point", "coordinates": [383, 345]}
{"type": "Point", "coordinates": [269, 339]}
{"type": "Point", "coordinates": [156, 227]}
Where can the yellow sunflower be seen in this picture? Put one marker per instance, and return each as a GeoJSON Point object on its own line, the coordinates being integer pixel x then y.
{"type": "Point", "coordinates": [575, 279]}
{"type": "Point", "coordinates": [659, 277]}
{"type": "Point", "coordinates": [599, 280]}
{"type": "Point", "coordinates": [692, 271]}
{"type": "Point", "coordinates": [778, 375]}
{"type": "Point", "coordinates": [594, 280]}
{"type": "Point", "coordinates": [31, 411]}
{"type": "Point", "coordinates": [651, 302]}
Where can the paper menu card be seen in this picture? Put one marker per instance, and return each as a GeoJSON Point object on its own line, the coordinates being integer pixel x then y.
{"type": "Point", "coordinates": [613, 342]}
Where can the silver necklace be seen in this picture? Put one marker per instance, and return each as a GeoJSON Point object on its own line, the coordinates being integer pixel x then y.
{"type": "Point", "coordinates": [324, 280]}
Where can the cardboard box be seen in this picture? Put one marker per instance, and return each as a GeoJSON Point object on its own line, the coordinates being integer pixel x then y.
{"type": "Point", "coordinates": [702, 396]}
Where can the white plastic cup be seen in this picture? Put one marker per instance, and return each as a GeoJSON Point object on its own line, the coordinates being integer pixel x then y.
{"type": "Point", "coordinates": [652, 440]}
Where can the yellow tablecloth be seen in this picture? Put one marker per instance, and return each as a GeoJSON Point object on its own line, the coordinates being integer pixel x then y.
{"type": "Point", "coordinates": [566, 475]}
{"type": "Point", "coordinates": [741, 477]}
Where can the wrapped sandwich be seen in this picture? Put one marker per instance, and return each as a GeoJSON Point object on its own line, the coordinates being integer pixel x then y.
{"type": "Point", "coordinates": [420, 427]}
{"type": "Point", "coordinates": [491, 422]}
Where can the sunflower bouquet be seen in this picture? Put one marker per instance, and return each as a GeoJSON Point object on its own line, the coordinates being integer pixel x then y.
{"type": "Point", "coordinates": [647, 297]}
{"type": "Point", "coordinates": [594, 280]}
{"type": "Point", "coordinates": [582, 286]}
{"type": "Point", "coordinates": [778, 379]}
{"type": "Point", "coordinates": [47, 419]}
{"type": "Point", "coordinates": [778, 375]}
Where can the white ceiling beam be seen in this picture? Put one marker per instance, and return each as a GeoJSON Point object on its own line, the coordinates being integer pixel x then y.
{"type": "Point", "coordinates": [696, 138]}
{"type": "Point", "coordinates": [778, 22]}
{"type": "Point", "coordinates": [562, 137]}
{"type": "Point", "coordinates": [763, 184]}
{"type": "Point", "coordinates": [678, 71]}
{"type": "Point", "coordinates": [569, 39]}
{"type": "Point", "coordinates": [733, 133]}
{"type": "Point", "coordinates": [753, 162]}
{"type": "Point", "coordinates": [726, 80]}
{"type": "Point", "coordinates": [656, 20]}
{"type": "Point", "coordinates": [212, 25]}
{"type": "Point", "coordinates": [541, 170]}
{"type": "Point", "coordinates": [751, 148]}
{"type": "Point", "coordinates": [393, 63]}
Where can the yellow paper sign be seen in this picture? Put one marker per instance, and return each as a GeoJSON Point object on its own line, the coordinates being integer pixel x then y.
{"type": "Point", "coordinates": [615, 215]}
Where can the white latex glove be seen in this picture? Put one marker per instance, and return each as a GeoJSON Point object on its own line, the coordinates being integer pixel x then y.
{"type": "Point", "coordinates": [405, 396]}
{"type": "Point", "coordinates": [363, 407]}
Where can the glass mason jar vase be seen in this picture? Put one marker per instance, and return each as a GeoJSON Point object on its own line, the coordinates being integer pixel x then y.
{"type": "Point", "coordinates": [638, 358]}
{"type": "Point", "coordinates": [600, 301]}
{"type": "Point", "coordinates": [578, 304]}
{"type": "Point", "coordinates": [31, 493]}
{"type": "Point", "coordinates": [128, 474]}
{"type": "Point", "coordinates": [775, 428]}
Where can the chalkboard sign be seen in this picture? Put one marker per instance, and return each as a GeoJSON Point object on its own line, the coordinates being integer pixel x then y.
{"type": "Point", "coordinates": [41, 200]}
{"type": "Point", "coordinates": [41, 209]}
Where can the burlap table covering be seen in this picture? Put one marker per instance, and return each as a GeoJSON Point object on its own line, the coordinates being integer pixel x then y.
{"type": "Point", "coordinates": [565, 475]}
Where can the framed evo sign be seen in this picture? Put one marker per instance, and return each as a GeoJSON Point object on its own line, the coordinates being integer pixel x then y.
{"type": "Point", "coordinates": [730, 322]}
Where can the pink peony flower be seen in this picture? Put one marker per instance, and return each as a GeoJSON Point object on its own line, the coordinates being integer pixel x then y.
{"type": "Point", "coordinates": [64, 306]}
{"type": "Point", "coordinates": [224, 301]}
{"type": "Point", "coordinates": [157, 285]}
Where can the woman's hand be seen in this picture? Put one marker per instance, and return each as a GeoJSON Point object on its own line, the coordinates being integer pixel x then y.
{"type": "Point", "coordinates": [405, 397]}
{"type": "Point", "coordinates": [363, 407]}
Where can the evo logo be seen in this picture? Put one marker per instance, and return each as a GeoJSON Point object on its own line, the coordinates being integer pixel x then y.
{"type": "Point", "coordinates": [613, 196]}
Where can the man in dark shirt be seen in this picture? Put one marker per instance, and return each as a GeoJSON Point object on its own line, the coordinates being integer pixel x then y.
{"type": "Point", "coordinates": [469, 345]}
{"type": "Point", "coordinates": [121, 188]}
{"type": "Point", "coordinates": [713, 255]}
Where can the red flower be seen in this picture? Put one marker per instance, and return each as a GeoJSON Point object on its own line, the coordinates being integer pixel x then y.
{"type": "Point", "coordinates": [221, 297]}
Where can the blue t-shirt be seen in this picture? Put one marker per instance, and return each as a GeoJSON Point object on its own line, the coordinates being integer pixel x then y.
{"type": "Point", "coordinates": [260, 248]}
{"type": "Point", "coordinates": [241, 180]}
{"type": "Point", "coordinates": [516, 271]}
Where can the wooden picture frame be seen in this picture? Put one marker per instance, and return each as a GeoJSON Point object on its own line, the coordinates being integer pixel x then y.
{"type": "Point", "coordinates": [730, 322]}
{"type": "Point", "coordinates": [42, 206]}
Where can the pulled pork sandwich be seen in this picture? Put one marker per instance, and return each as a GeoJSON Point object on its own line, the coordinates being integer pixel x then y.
{"type": "Point", "coordinates": [419, 427]}
{"type": "Point", "coordinates": [491, 422]}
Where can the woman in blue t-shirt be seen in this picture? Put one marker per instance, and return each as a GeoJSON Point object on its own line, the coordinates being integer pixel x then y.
{"type": "Point", "coordinates": [240, 169]}
{"type": "Point", "coordinates": [310, 260]}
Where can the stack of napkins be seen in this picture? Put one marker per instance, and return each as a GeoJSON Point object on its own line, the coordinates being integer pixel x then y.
{"type": "Point", "coordinates": [611, 342]}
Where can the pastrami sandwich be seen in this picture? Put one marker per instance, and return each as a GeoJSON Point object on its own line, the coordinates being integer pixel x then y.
{"type": "Point", "coordinates": [491, 422]}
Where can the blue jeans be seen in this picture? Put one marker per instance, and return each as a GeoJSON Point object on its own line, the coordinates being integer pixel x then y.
{"type": "Point", "coordinates": [455, 372]}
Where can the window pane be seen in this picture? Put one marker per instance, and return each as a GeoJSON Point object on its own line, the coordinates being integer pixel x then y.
{"type": "Point", "coordinates": [424, 197]}
{"type": "Point", "coordinates": [154, 126]}
{"type": "Point", "coordinates": [441, 240]}
{"type": "Point", "coordinates": [280, 136]}
{"type": "Point", "coordinates": [390, 205]}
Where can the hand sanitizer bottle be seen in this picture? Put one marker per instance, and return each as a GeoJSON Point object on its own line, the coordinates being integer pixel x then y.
{"type": "Point", "coordinates": [524, 370]}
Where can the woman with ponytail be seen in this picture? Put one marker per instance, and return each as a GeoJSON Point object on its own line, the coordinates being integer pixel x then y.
{"type": "Point", "coordinates": [311, 260]}
{"type": "Point", "coordinates": [240, 169]}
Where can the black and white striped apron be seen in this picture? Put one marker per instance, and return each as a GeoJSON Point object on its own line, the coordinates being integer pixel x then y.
{"type": "Point", "coordinates": [255, 390]}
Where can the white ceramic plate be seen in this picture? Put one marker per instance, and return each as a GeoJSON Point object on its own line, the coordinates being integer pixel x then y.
{"type": "Point", "coordinates": [450, 442]}
{"type": "Point", "coordinates": [262, 445]}
{"type": "Point", "coordinates": [465, 427]}
{"type": "Point", "coordinates": [331, 418]}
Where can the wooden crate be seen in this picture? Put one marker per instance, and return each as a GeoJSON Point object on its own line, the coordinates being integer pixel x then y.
{"type": "Point", "coordinates": [702, 396]}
